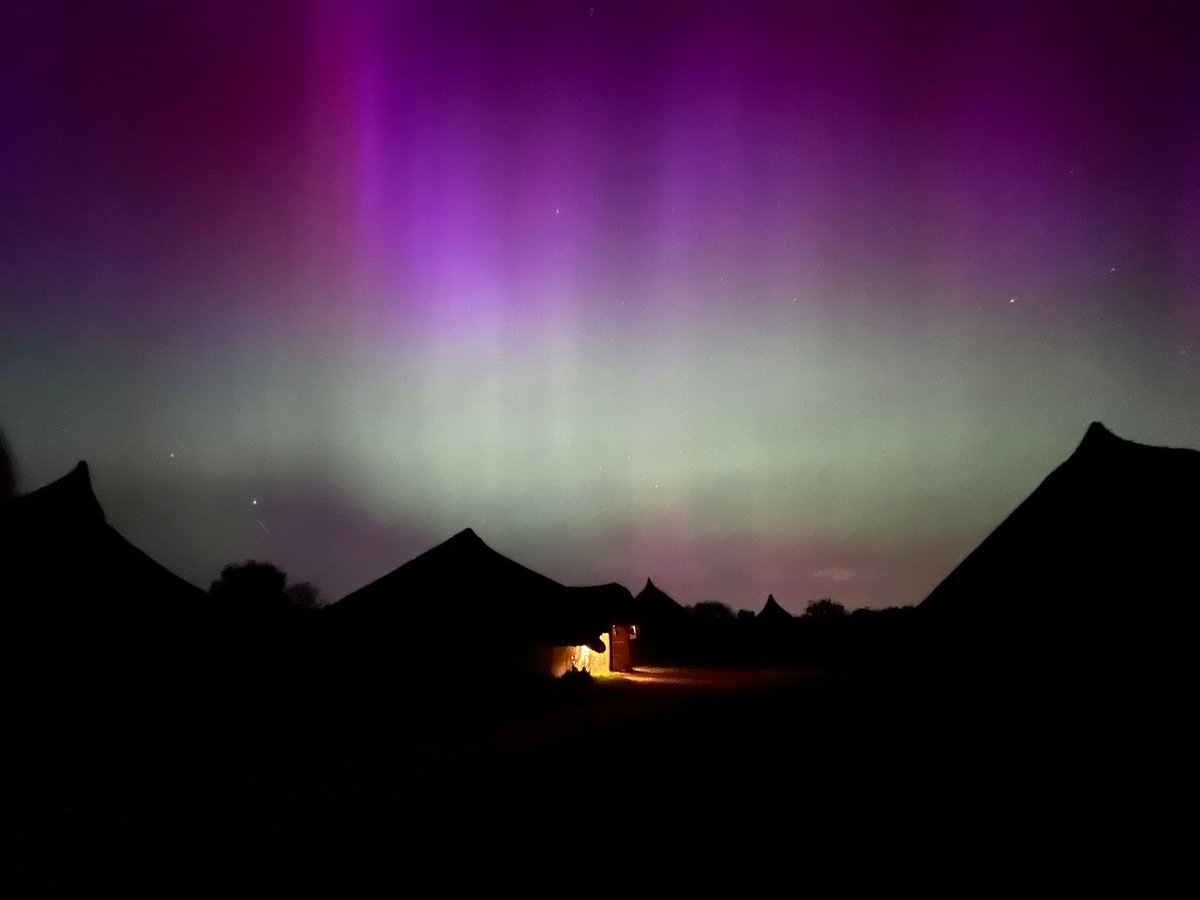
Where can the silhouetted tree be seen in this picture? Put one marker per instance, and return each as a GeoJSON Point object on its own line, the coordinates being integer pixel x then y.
{"type": "Point", "coordinates": [824, 608]}
{"type": "Point", "coordinates": [304, 594]}
{"type": "Point", "coordinates": [253, 587]}
{"type": "Point", "coordinates": [712, 611]}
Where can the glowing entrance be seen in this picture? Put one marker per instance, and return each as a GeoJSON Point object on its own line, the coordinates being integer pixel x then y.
{"type": "Point", "coordinates": [585, 659]}
{"type": "Point", "coordinates": [616, 656]}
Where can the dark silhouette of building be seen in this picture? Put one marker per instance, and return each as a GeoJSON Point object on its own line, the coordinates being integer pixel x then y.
{"type": "Point", "coordinates": [664, 626]}
{"type": "Point", "coordinates": [657, 608]}
{"type": "Point", "coordinates": [1095, 571]}
{"type": "Point", "coordinates": [773, 614]}
{"type": "Point", "coordinates": [464, 605]}
{"type": "Point", "coordinates": [78, 594]}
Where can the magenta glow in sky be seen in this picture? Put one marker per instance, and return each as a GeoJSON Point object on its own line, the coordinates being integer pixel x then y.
{"type": "Point", "coordinates": [747, 298]}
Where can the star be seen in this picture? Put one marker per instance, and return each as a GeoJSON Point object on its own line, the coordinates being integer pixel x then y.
{"type": "Point", "coordinates": [254, 502]}
{"type": "Point", "coordinates": [172, 456]}
{"type": "Point", "coordinates": [1012, 299]}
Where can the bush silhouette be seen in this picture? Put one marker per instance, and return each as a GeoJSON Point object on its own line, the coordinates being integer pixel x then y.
{"type": "Point", "coordinates": [824, 608]}
{"type": "Point", "coordinates": [304, 595]}
{"type": "Point", "coordinates": [712, 611]}
{"type": "Point", "coordinates": [259, 590]}
{"type": "Point", "coordinates": [252, 586]}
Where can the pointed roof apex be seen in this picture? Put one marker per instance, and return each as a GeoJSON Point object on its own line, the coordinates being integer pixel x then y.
{"type": "Point", "coordinates": [1098, 437]}
{"type": "Point", "coordinates": [656, 604]}
{"type": "Point", "coordinates": [466, 536]}
{"type": "Point", "coordinates": [78, 485]}
{"type": "Point", "coordinates": [465, 541]}
{"type": "Point", "coordinates": [70, 498]}
{"type": "Point", "coordinates": [772, 610]}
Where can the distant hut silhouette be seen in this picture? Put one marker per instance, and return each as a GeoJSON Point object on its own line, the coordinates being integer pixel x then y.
{"type": "Point", "coordinates": [772, 613]}
{"type": "Point", "coordinates": [663, 625]}
{"type": "Point", "coordinates": [654, 606]}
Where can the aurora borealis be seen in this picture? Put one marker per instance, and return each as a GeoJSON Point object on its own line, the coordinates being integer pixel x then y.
{"type": "Point", "coordinates": [746, 298]}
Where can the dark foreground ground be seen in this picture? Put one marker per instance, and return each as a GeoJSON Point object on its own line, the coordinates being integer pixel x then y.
{"type": "Point", "coordinates": [679, 779]}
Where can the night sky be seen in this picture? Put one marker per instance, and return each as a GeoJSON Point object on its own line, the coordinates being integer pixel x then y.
{"type": "Point", "coordinates": [746, 298]}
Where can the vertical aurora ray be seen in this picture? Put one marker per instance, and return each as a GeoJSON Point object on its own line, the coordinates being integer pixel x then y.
{"type": "Point", "coordinates": [727, 295]}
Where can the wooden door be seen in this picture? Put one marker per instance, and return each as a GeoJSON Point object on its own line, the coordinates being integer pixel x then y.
{"type": "Point", "coordinates": [620, 654]}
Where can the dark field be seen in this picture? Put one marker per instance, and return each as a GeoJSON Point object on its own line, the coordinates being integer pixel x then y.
{"type": "Point", "coordinates": [675, 776]}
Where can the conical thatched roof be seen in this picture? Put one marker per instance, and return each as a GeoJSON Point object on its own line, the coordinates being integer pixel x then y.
{"type": "Point", "coordinates": [653, 605]}
{"type": "Point", "coordinates": [772, 612]}
{"type": "Point", "coordinates": [63, 559]}
{"type": "Point", "coordinates": [89, 614]}
{"type": "Point", "coordinates": [1104, 548]}
{"type": "Point", "coordinates": [463, 587]}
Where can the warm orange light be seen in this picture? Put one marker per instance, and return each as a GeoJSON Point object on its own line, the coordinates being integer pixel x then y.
{"type": "Point", "coordinates": [581, 658]}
